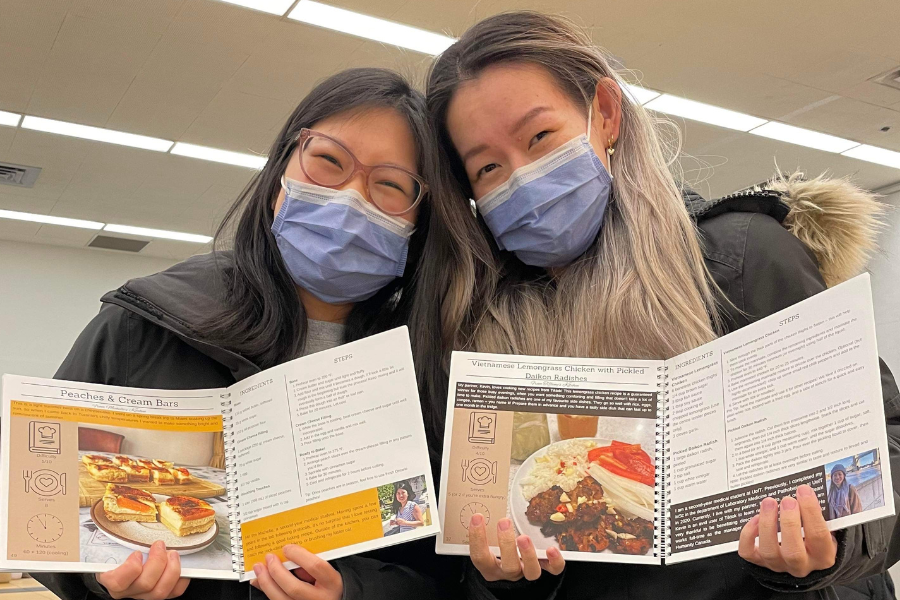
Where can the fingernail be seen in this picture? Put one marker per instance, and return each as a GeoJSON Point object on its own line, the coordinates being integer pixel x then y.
{"type": "Point", "coordinates": [768, 505]}
{"type": "Point", "coordinates": [257, 568]}
{"type": "Point", "coordinates": [477, 520]}
{"type": "Point", "coordinates": [504, 524]}
{"type": "Point", "coordinates": [523, 542]}
{"type": "Point", "coordinates": [804, 491]}
{"type": "Point", "coordinates": [552, 552]}
{"type": "Point", "coordinates": [788, 503]}
{"type": "Point", "coordinates": [270, 558]}
{"type": "Point", "coordinates": [290, 546]}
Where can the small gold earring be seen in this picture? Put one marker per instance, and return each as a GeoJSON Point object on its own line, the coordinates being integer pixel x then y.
{"type": "Point", "coordinates": [610, 149]}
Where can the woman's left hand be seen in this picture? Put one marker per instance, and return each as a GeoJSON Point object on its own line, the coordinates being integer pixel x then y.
{"type": "Point", "coordinates": [797, 555]}
{"type": "Point", "coordinates": [314, 579]}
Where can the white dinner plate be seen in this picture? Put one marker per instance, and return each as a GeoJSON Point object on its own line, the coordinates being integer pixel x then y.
{"type": "Point", "coordinates": [140, 536]}
{"type": "Point", "coordinates": [518, 505]}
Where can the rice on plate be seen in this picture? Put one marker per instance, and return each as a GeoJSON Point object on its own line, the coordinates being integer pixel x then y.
{"type": "Point", "coordinates": [563, 464]}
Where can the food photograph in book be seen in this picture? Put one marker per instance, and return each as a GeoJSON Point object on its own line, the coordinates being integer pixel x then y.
{"type": "Point", "coordinates": [136, 487]}
{"type": "Point", "coordinates": [583, 483]}
{"type": "Point", "coordinates": [854, 485]}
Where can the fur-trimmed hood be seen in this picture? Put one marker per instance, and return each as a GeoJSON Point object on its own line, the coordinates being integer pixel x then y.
{"type": "Point", "coordinates": [834, 218]}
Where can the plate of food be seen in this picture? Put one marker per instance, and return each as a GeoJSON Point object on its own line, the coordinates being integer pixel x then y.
{"type": "Point", "coordinates": [136, 518]}
{"type": "Point", "coordinates": [587, 495]}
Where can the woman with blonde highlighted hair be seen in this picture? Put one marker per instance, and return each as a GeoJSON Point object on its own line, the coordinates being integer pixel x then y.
{"type": "Point", "coordinates": [559, 229]}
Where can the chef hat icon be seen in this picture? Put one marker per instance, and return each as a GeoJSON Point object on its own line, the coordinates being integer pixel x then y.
{"type": "Point", "coordinates": [47, 431]}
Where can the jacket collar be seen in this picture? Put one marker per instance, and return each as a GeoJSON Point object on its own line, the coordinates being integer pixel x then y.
{"type": "Point", "coordinates": [180, 298]}
{"type": "Point", "coordinates": [838, 221]}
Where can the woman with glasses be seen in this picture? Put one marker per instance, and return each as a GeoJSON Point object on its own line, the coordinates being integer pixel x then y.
{"type": "Point", "coordinates": [323, 247]}
{"type": "Point", "coordinates": [560, 230]}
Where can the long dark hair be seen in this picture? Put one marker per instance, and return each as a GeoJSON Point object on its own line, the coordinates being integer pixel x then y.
{"type": "Point", "coordinates": [262, 317]}
{"type": "Point", "coordinates": [403, 485]}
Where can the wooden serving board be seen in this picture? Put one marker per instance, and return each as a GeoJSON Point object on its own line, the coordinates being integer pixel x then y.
{"type": "Point", "coordinates": [90, 490]}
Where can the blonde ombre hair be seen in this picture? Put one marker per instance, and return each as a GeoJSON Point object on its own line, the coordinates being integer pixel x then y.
{"type": "Point", "coordinates": [641, 291]}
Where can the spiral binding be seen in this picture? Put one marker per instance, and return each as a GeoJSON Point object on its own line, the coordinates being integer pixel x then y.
{"type": "Point", "coordinates": [661, 542]}
{"type": "Point", "coordinates": [231, 483]}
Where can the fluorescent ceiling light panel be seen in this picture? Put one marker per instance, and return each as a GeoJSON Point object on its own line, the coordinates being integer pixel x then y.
{"type": "Point", "coordinates": [353, 23]}
{"type": "Point", "coordinates": [49, 220]}
{"type": "Point", "coordinates": [705, 113]}
{"type": "Point", "coordinates": [803, 137]}
{"type": "Point", "coordinates": [273, 7]}
{"type": "Point", "coordinates": [159, 233]}
{"type": "Point", "coordinates": [9, 119]}
{"type": "Point", "coordinates": [222, 156]}
{"type": "Point", "coordinates": [640, 95]}
{"type": "Point", "coordinates": [96, 134]}
{"type": "Point", "coordinates": [873, 154]}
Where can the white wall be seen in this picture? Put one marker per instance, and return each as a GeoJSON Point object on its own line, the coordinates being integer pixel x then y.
{"type": "Point", "coordinates": [885, 270]}
{"type": "Point", "coordinates": [49, 293]}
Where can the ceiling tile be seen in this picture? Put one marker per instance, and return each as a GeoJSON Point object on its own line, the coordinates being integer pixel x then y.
{"type": "Point", "coordinates": [237, 121]}
{"type": "Point", "coordinates": [743, 160]}
{"type": "Point", "coordinates": [875, 93]}
{"type": "Point", "coordinates": [18, 230]}
{"type": "Point", "coordinates": [412, 65]}
{"type": "Point", "coordinates": [292, 60]}
{"type": "Point", "coordinates": [27, 32]}
{"type": "Point", "coordinates": [203, 48]}
{"type": "Point", "coordinates": [10, 200]}
{"type": "Point", "coordinates": [58, 156]}
{"type": "Point", "coordinates": [174, 249]}
{"type": "Point", "coordinates": [109, 172]}
{"type": "Point", "coordinates": [89, 68]}
{"type": "Point", "coordinates": [855, 120]}
{"type": "Point", "coordinates": [153, 16]}
{"type": "Point", "coordinates": [58, 233]}
{"type": "Point", "coordinates": [7, 135]}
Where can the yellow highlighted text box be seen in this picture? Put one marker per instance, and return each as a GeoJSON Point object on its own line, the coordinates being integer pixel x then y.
{"type": "Point", "coordinates": [96, 416]}
{"type": "Point", "coordinates": [319, 527]}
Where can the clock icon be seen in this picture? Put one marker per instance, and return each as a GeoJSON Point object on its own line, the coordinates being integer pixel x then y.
{"type": "Point", "coordinates": [44, 528]}
{"type": "Point", "coordinates": [465, 515]}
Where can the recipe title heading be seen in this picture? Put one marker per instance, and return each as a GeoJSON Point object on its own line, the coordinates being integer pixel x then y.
{"type": "Point", "coordinates": [111, 399]}
{"type": "Point", "coordinates": [545, 368]}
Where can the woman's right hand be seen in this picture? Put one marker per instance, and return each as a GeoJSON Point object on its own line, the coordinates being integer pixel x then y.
{"type": "Point", "coordinates": [157, 579]}
{"type": "Point", "coordinates": [513, 564]}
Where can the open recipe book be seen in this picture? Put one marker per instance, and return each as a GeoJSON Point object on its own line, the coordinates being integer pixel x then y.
{"type": "Point", "coordinates": [651, 461]}
{"type": "Point", "coordinates": [316, 450]}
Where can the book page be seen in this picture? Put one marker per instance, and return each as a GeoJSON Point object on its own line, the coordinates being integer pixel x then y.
{"type": "Point", "coordinates": [65, 442]}
{"type": "Point", "coordinates": [777, 404]}
{"type": "Point", "coordinates": [322, 446]}
{"type": "Point", "coordinates": [564, 447]}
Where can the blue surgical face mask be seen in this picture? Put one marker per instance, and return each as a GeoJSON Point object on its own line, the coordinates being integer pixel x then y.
{"type": "Point", "coordinates": [549, 212]}
{"type": "Point", "coordinates": [336, 245]}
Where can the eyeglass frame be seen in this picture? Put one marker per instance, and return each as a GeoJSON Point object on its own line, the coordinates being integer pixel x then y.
{"type": "Point", "coordinates": [306, 133]}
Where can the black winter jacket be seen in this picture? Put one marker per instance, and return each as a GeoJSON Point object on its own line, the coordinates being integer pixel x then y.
{"type": "Point", "coordinates": [752, 247]}
{"type": "Point", "coordinates": [144, 337]}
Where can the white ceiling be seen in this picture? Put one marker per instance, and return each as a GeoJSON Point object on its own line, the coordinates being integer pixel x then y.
{"type": "Point", "coordinates": [214, 74]}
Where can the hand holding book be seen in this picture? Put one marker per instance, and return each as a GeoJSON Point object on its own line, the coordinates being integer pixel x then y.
{"type": "Point", "coordinates": [313, 579]}
{"type": "Point", "coordinates": [510, 566]}
{"type": "Point", "coordinates": [797, 554]}
{"type": "Point", "coordinates": [159, 577]}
